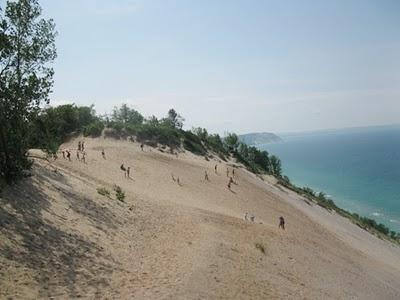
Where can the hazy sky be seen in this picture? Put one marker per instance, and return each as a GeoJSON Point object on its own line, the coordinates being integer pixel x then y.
{"type": "Point", "coordinates": [233, 65]}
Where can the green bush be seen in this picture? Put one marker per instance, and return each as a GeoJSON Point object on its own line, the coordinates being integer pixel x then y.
{"type": "Point", "coordinates": [192, 143]}
{"type": "Point", "coordinates": [93, 129]}
{"type": "Point", "coordinates": [119, 193]}
{"type": "Point", "coordinates": [161, 134]}
{"type": "Point", "coordinates": [103, 191]}
{"type": "Point", "coordinates": [53, 125]}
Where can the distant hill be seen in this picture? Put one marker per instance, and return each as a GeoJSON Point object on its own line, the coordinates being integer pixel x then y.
{"type": "Point", "coordinates": [258, 138]}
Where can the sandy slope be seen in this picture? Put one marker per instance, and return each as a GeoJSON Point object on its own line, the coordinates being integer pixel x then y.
{"type": "Point", "coordinates": [59, 238]}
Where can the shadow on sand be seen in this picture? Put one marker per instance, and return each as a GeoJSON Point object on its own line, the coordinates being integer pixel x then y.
{"type": "Point", "coordinates": [59, 259]}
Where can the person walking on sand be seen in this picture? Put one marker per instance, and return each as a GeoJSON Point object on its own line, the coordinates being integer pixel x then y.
{"type": "Point", "coordinates": [281, 222]}
{"type": "Point", "coordinates": [206, 176]}
{"type": "Point", "coordinates": [77, 155]}
{"type": "Point", "coordinates": [233, 172]}
{"type": "Point", "coordinates": [230, 182]}
{"type": "Point", "coordinates": [215, 169]}
{"type": "Point", "coordinates": [128, 171]}
{"type": "Point", "coordinates": [123, 169]}
{"type": "Point", "coordinates": [63, 153]}
{"type": "Point", "coordinates": [141, 146]}
{"type": "Point", "coordinates": [83, 146]}
{"type": "Point", "coordinates": [69, 155]}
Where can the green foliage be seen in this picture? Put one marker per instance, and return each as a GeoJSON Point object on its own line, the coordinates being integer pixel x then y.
{"type": "Point", "coordinates": [126, 121]}
{"type": "Point", "coordinates": [54, 124]}
{"type": "Point", "coordinates": [308, 191]}
{"type": "Point", "coordinates": [161, 134]}
{"type": "Point", "coordinates": [126, 115]}
{"type": "Point", "coordinates": [27, 50]}
{"type": "Point", "coordinates": [231, 141]}
{"type": "Point", "coordinates": [211, 142]}
{"type": "Point", "coordinates": [85, 115]}
{"type": "Point", "coordinates": [215, 143]}
{"type": "Point", "coordinates": [173, 119]}
{"type": "Point", "coordinates": [93, 129]}
{"type": "Point", "coordinates": [103, 191]}
{"type": "Point", "coordinates": [276, 166]}
{"type": "Point", "coordinates": [201, 133]}
{"type": "Point", "coordinates": [119, 193]}
{"type": "Point", "coordinates": [192, 143]}
{"type": "Point", "coordinates": [286, 179]}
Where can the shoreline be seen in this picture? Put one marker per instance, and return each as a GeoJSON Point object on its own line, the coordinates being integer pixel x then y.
{"type": "Point", "coordinates": [359, 170]}
{"type": "Point", "coordinates": [383, 250]}
{"type": "Point", "coordinates": [378, 216]}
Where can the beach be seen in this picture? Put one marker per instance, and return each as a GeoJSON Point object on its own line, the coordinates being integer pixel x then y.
{"type": "Point", "coordinates": [60, 238]}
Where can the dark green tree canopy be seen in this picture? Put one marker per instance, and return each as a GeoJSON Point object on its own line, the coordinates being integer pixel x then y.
{"type": "Point", "coordinates": [174, 119]}
{"type": "Point", "coordinates": [127, 115]}
{"type": "Point", "coordinates": [27, 50]}
{"type": "Point", "coordinates": [232, 141]}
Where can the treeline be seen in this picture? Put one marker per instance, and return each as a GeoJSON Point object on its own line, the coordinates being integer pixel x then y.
{"type": "Point", "coordinates": [53, 125]}
{"type": "Point", "coordinates": [322, 200]}
{"type": "Point", "coordinates": [254, 159]}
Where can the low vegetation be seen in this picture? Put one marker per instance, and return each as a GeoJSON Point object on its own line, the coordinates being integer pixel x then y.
{"type": "Point", "coordinates": [104, 192]}
{"type": "Point", "coordinates": [119, 193]}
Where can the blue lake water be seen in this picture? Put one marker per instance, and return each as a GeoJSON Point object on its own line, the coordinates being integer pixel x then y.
{"type": "Point", "coordinates": [358, 168]}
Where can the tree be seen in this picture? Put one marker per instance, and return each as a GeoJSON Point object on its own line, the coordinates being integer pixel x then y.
{"type": "Point", "coordinates": [215, 143]}
{"type": "Point", "coordinates": [27, 50]}
{"type": "Point", "coordinates": [201, 133]}
{"type": "Point", "coordinates": [243, 150]}
{"type": "Point", "coordinates": [127, 115]}
{"type": "Point", "coordinates": [276, 166]}
{"type": "Point", "coordinates": [174, 119]}
{"type": "Point", "coordinates": [86, 115]}
{"type": "Point", "coordinates": [152, 121]}
{"type": "Point", "coordinates": [232, 141]}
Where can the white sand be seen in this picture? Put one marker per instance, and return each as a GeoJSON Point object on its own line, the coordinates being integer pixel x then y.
{"type": "Point", "coordinates": [61, 239]}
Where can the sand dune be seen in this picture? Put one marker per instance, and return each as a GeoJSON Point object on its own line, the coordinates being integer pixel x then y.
{"type": "Point", "coordinates": [59, 238]}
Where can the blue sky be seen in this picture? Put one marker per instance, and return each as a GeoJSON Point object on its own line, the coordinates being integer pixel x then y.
{"type": "Point", "coordinates": [233, 65]}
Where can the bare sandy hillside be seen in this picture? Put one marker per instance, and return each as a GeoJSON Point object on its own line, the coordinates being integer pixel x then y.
{"type": "Point", "coordinates": [60, 239]}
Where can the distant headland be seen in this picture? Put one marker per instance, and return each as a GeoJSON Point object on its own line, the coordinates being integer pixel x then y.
{"type": "Point", "coordinates": [259, 138]}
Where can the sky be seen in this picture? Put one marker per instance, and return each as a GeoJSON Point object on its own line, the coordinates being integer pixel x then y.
{"type": "Point", "coordinates": [241, 66]}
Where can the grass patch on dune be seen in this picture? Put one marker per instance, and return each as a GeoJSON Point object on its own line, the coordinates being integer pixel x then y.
{"type": "Point", "coordinates": [119, 193]}
{"type": "Point", "coordinates": [104, 192]}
